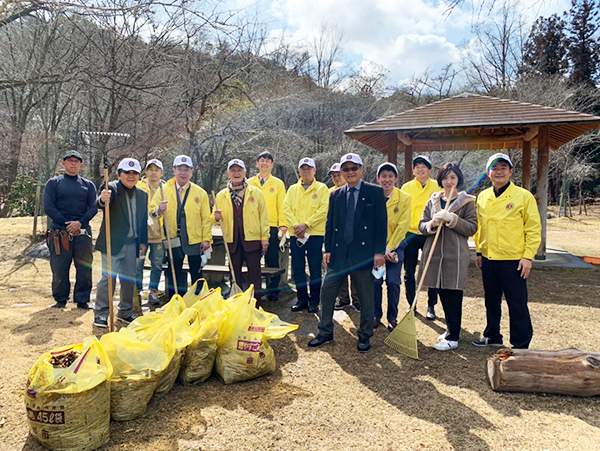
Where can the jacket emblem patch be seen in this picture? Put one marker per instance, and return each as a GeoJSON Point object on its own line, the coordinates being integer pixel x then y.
{"type": "Point", "coordinates": [251, 199]}
{"type": "Point", "coordinates": [510, 206]}
{"type": "Point", "coordinates": [197, 200]}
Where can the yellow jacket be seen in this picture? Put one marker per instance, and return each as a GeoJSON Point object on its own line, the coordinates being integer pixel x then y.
{"type": "Point", "coordinates": [197, 211]}
{"type": "Point", "coordinates": [419, 196]}
{"type": "Point", "coordinates": [274, 193]}
{"type": "Point", "coordinates": [254, 210]}
{"type": "Point", "coordinates": [398, 213]}
{"type": "Point", "coordinates": [155, 234]}
{"type": "Point", "coordinates": [509, 226]}
{"type": "Point", "coordinates": [307, 206]}
{"type": "Point", "coordinates": [333, 188]}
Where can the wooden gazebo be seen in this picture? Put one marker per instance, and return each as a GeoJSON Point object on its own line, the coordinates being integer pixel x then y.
{"type": "Point", "coordinates": [476, 122]}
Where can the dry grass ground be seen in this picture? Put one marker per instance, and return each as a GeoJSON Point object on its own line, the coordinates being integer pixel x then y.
{"type": "Point", "coordinates": [332, 398]}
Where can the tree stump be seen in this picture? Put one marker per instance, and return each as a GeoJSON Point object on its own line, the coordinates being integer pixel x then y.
{"type": "Point", "coordinates": [566, 372]}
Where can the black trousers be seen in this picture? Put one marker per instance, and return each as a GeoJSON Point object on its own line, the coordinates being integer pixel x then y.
{"type": "Point", "coordinates": [80, 253]}
{"type": "Point", "coordinates": [194, 262]}
{"type": "Point", "coordinates": [252, 259]}
{"type": "Point", "coordinates": [452, 305]}
{"type": "Point", "coordinates": [272, 261]}
{"type": "Point", "coordinates": [414, 243]}
{"type": "Point", "coordinates": [501, 277]}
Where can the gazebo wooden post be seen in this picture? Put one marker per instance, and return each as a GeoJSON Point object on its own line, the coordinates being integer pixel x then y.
{"type": "Point", "coordinates": [408, 157]}
{"type": "Point", "coordinates": [392, 152]}
{"type": "Point", "coordinates": [542, 185]}
{"type": "Point", "coordinates": [526, 166]}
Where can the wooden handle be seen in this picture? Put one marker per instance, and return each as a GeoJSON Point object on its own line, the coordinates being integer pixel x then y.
{"type": "Point", "coordinates": [111, 314]}
{"type": "Point", "coordinates": [169, 248]}
{"type": "Point", "coordinates": [225, 242]}
{"type": "Point", "coordinates": [435, 240]}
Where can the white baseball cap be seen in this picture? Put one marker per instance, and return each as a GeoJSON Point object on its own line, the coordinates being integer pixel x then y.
{"type": "Point", "coordinates": [335, 167]}
{"type": "Point", "coordinates": [129, 164]}
{"type": "Point", "coordinates": [496, 158]}
{"type": "Point", "coordinates": [155, 162]}
{"type": "Point", "coordinates": [422, 159]}
{"type": "Point", "coordinates": [309, 161]}
{"type": "Point", "coordinates": [183, 159]}
{"type": "Point", "coordinates": [236, 161]}
{"type": "Point", "coordinates": [387, 166]}
{"type": "Point", "coordinates": [351, 157]}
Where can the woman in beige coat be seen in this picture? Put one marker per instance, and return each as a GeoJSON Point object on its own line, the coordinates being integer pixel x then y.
{"type": "Point", "coordinates": [450, 261]}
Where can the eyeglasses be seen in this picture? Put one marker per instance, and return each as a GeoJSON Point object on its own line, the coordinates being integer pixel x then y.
{"type": "Point", "coordinates": [351, 168]}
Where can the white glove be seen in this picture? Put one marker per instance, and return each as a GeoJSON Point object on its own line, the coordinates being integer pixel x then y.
{"type": "Point", "coordinates": [443, 215]}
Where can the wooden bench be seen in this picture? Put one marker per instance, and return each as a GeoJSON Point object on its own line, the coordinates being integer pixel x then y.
{"type": "Point", "coordinates": [266, 273]}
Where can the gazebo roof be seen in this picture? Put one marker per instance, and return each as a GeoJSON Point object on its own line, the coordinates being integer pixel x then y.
{"type": "Point", "coordinates": [474, 122]}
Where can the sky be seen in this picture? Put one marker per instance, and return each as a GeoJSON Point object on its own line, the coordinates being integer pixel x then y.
{"type": "Point", "coordinates": [406, 37]}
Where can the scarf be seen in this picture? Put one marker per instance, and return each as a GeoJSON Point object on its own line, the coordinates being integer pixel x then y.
{"type": "Point", "coordinates": [237, 192]}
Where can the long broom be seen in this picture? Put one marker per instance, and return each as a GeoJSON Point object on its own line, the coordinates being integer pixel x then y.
{"type": "Point", "coordinates": [235, 288]}
{"type": "Point", "coordinates": [404, 337]}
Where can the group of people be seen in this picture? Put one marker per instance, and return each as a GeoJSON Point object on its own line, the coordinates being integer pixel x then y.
{"type": "Point", "coordinates": [362, 233]}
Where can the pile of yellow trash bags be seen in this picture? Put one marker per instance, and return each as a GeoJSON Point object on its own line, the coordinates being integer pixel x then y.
{"type": "Point", "coordinates": [74, 391]}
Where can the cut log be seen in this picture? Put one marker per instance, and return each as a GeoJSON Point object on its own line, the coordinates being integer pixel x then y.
{"type": "Point", "coordinates": [566, 372]}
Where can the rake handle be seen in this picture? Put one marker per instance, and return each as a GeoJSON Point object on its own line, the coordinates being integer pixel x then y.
{"type": "Point", "coordinates": [220, 222]}
{"type": "Point", "coordinates": [111, 308]}
{"type": "Point", "coordinates": [428, 261]}
{"type": "Point", "coordinates": [169, 248]}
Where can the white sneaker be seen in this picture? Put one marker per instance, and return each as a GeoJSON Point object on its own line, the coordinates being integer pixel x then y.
{"type": "Point", "coordinates": [443, 336]}
{"type": "Point", "coordinates": [446, 345]}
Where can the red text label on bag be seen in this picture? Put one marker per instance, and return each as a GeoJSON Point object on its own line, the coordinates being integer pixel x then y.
{"type": "Point", "coordinates": [249, 346]}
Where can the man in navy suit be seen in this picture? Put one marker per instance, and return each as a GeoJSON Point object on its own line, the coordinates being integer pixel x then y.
{"type": "Point", "coordinates": [355, 238]}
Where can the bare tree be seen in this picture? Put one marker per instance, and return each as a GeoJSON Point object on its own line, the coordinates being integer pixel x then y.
{"type": "Point", "coordinates": [326, 48]}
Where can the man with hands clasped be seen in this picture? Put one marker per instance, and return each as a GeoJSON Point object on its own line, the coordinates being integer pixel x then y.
{"type": "Point", "coordinates": [507, 239]}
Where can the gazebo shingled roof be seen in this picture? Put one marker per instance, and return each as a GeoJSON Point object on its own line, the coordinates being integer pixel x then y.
{"type": "Point", "coordinates": [476, 122]}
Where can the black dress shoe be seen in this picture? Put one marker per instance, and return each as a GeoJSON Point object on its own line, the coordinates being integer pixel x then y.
{"type": "Point", "coordinates": [356, 306]}
{"type": "Point", "coordinates": [83, 306]}
{"type": "Point", "coordinates": [59, 305]}
{"type": "Point", "coordinates": [341, 305]}
{"type": "Point", "coordinates": [313, 308]}
{"type": "Point", "coordinates": [363, 345]}
{"type": "Point", "coordinates": [376, 323]}
{"type": "Point", "coordinates": [319, 340]}
{"type": "Point", "coordinates": [299, 306]}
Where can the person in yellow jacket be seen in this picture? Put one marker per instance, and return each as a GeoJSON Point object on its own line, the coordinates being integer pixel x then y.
{"type": "Point", "coordinates": [244, 212]}
{"type": "Point", "coordinates": [305, 208]}
{"type": "Point", "coordinates": [189, 220]}
{"type": "Point", "coordinates": [420, 189]}
{"type": "Point", "coordinates": [151, 184]}
{"type": "Point", "coordinates": [507, 239]}
{"type": "Point", "coordinates": [273, 190]}
{"type": "Point", "coordinates": [398, 213]}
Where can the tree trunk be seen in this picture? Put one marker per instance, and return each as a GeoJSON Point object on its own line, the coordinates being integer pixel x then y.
{"type": "Point", "coordinates": [566, 372]}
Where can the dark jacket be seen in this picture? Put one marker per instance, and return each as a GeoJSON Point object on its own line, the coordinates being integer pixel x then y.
{"type": "Point", "coordinates": [119, 218]}
{"type": "Point", "coordinates": [449, 265]}
{"type": "Point", "coordinates": [370, 228]}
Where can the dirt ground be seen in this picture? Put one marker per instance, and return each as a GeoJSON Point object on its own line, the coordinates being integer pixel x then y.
{"type": "Point", "coordinates": [332, 398]}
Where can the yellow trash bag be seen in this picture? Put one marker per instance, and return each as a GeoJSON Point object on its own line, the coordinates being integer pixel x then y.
{"type": "Point", "coordinates": [244, 352]}
{"type": "Point", "coordinates": [68, 397]}
{"type": "Point", "coordinates": [212, 302]}
{"type": "Point", "coordinates": [170, 310]}
{"type": "Point", "coordinates": [197, 291]}
{"type": "Point", "coordinates": [137, 369]}
{"type": "Point", "coordinates": [185, 328]}
{"type": "Point", "coordinates": [199, 358]}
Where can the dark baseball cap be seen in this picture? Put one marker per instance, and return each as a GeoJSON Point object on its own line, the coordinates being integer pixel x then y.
{"type": "Point", "coordinates": [73, 153]}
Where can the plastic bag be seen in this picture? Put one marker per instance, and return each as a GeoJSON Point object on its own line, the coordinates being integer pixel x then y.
{"type": "Point", "coordinates": [170, 311]}
{"type": "Point", "coordinates": [137, 369]}
{"type": "Point", "coordinates": [244, 352]}
{"type": "Point", "coordinates": [199, 359]}
{"type": "Point", "coordinates": [61, 387]}
{"type": "Point", "coordinates": [197, 291]}
{"type": "Point", "coordinates": [184, 329]}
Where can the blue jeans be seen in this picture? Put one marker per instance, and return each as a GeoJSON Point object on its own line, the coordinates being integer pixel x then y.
{"type": "Point", "coordinates": [393, 281]}
{"type": "Point", "coordinates": [157, 257]}
{"type": "Point", "coordinates": [312, 251]}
